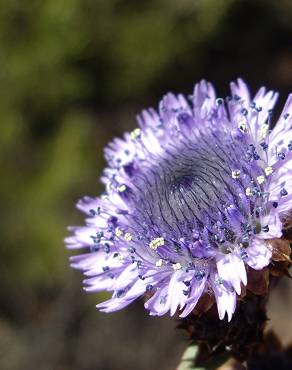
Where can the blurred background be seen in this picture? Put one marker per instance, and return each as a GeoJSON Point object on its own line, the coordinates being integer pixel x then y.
{"type": "Point", "coordinates": [73, 74]}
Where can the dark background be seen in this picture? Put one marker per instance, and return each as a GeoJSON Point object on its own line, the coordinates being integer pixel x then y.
{"type": "Point", "coordinates": [73, 74]}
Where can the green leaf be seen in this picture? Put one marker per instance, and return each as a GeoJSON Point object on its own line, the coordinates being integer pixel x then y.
{"type": "Point", "coordinates": [189, 357]}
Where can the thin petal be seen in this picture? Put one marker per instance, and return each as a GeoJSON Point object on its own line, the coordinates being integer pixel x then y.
{"type": "Point", "coordinates": [231, 269]}
{"type": "Point", "coordinates": [196, 292]}
{"type": "Point", "coordinates": [225, 298]}
{"type": "Point", "coordinates": [259, 255]}
{"type": "Point", "coordinates": [158, 304]}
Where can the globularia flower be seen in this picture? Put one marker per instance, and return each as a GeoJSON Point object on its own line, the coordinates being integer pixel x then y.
{"type": "Point", "coordinates": [194, 197]}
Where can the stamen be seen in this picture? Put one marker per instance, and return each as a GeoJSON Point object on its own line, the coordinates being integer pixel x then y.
{"type": "Point", "coordinates": [135, 134]}
{"type": "Point", "coordinates": [266, 228]}
{"type": "Point", "coordinates": [248, 192]}
{"type": "Point", "coordinates": [149, 287]}
{"type": "Point", "coordinates": [199, 275]}
{"type": "Point", "coordinates": [235, 174]}
{"type": "Point", "coordinates": [155, 243]}
{"type": "Point", "coordinates": [261, 179]}
{"type": "Point", "coordinates": [106, 248]}
{"type": "Point", "coordinates": [264, 146]}
{"type": "Point", "coordinates": [122, 188]}
{"type": "Point", "coordinates": [242, 126]}
{"type": "Point", "coordinates": [219, 280]}
{"type": "Point", "coordinates": [283, 192]}
{"type": "Point", "coordinates": [176, 266]}
{"type": "Point", "coordinates": [281, 156]}
{"type": "Point", "coordinates": [118, 232]}
{"type": "Point", "coordinates": [269, 170]}
{"type": "Point", "coordinates": [159, 263]}
{"type": "Point", "coordinates": [128, 237]}
{"type": "Point", "coordinates": [264, 130]}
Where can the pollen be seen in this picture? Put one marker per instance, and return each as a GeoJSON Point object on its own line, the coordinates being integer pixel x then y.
{"type": "Point", "coordinates": [264, 130]}
{"type": "Point", "coordinates": [261, 179]}
{"type": "Point", "coordinates": [235, 174]}
{"type": "Point", "coordinates": [159, 263]}
{"type": "Point", "coordinates": [135, 134]}
{"type": "Point", "coordinates": [118, 232]}
{"type": "Point", "coordinates": [176, 266]}
{"type": "Point", "coordinates": [128, 237]}
{"type": "Point", "coordinates": [155, 243]}
{"type": "Point", "coordinates": [248, 192]}
{"type": "Point", "coordinates": [122, 188]}
{"type": "Point", "coordinates": [269, 170]}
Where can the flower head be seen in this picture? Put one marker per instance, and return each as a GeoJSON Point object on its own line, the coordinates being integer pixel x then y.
{"type": "Point", "coordinates": [194, 197]}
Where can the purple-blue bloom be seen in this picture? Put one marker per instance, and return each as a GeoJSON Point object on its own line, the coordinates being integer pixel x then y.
{"type": "Point", "coordinates": [192, 198]}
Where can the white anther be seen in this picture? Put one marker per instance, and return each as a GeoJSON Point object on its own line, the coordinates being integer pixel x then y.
{"type": "Point", "coordinates": [118, 232]}
{"type": "Point", "coordinates": [176, 266]}
{"type": "Point", "coordinates": [135, 134]}
{"type": "Point", "coordinates": [159, 263]}
{"type": "Point", "coordinates": [157, 242]}
{"type": "Point", "coordinates": [128, 237]}
{"type": "Point", "coordinates": [235, 174]}
{"type": "Point", "coordinates": [122, 188]}
{"type": "Point", "coordinates": [248, 192]}
{"type": "Point", "coordinates": [269, 170]}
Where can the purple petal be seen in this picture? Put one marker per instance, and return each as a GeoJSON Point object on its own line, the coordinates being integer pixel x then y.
{"type": "Point", "coordinates": [196, 292]}
{"type": "Point", "coordinates": [231, 269]}
{"type": "Point", "coordinates": [259, 255]}
{"type": "Point", "coordinates": [158, 304]}
{"type": "Point", "coordinates": [225, 298]}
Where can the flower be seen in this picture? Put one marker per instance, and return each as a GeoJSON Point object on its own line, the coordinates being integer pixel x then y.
{"type": "Point", "coordinates": [194, 199]}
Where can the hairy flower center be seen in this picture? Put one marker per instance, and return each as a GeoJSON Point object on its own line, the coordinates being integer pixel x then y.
{"type": "Point", "coordinates": [189, 184]}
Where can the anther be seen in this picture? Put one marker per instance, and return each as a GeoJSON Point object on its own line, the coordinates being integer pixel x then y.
{"type": "Point", "coordinates": [135, 134]}
{"type": "Point", "coordinates": [286, 115]}
{"type": "Point", "coordinates": [269, 170]}
{"type": "Point", "coordinates": [281, 156]}
{"type": "Point", "coordinates": [159, 263]}
{"type": "Point", "coordinates": [155, 243]}
{"type": "Point", "coordinates": [199, 275]}
{"type": "Point", "coordinates": [248, 192]}
{"type": "Point", "coordinates": [244, 111]}
{"type": "Point", "coordinates": [235, 174]}
{"type": "Point", "coordinates": [106, 248]}
{"type": "Point", "coordinates": [128, 237]}
{"type": "Point", "coordinates": [260, 179]}
{"type": "Point", "coordinates": [266, 228]}
{"type": "Point", "coordinates": [283, 192]}
{"type": "Point", "coordinates": [176, 266]}
{"type": "Point", "coordinates": [118, 232]}
{"type": "Point", "coordinates": [122, 188]}
{"type": "Point", "coordinates": [149, 287]}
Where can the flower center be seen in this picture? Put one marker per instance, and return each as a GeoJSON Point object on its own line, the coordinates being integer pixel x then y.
{"type": "Point", "coordinates": [189, 188]}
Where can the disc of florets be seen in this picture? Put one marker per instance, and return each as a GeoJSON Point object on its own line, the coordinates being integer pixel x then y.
{"type": "Point", "coordinates": [193, 200]}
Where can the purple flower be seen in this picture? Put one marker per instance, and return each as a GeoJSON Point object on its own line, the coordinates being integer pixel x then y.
{"type": "Point", "coordinates": [193, 197]}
